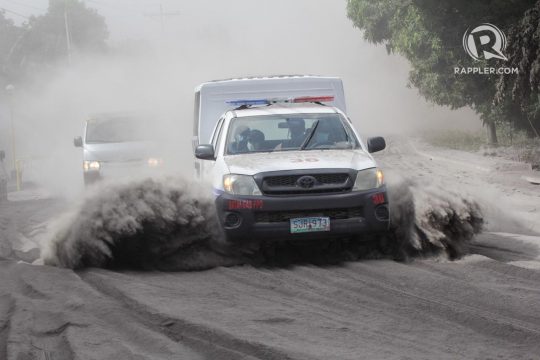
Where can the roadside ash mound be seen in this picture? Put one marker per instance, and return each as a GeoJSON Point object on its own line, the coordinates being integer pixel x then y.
{"type": "Point", "coordinates": [172, 225]}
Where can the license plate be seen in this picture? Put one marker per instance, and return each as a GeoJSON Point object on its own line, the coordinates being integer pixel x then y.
{"type": "Point", "coordinates": [310, 224]}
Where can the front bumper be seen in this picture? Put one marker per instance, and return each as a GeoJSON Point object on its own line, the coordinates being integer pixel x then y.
{"type": "Point", "coordinates": [119, 170]}
{"type": "Point", "coordinates": [90, 177]}
{"type": "Point", "coordinates": [268, 217]}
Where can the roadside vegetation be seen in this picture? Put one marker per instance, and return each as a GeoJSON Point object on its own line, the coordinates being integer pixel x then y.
{"type": "Point", "coordinates": [67, 31]}
{"type": "Point", "coordinates": [429, 35]}
{"type": "Point", "coordinates": [513, 144]}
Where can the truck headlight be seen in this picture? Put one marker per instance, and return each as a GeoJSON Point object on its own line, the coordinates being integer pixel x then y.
{"type": "Point", "coordinates": [240, 185]}
{"type": "Point", "coordinates": [368, 179]}
{"type": "Point", "coordinates": [91, 165]}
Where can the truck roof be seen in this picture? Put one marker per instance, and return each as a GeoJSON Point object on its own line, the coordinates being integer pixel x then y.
{"type": "Point", "coordinates": [261, 77]}
{"type": "Point", "coordinates": [284, 109]}
{"type": "Point", "coordinates": [212, 99]}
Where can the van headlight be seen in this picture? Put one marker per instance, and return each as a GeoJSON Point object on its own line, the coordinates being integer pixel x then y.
{"type": "Point", "coordinates": [368, 179]}
{"type": "Point", "coordinates": [154, 162]}
{"type": "Point", "coordinates": [91, 165]}
{"type": "Point", "coordinates": [240, 185]}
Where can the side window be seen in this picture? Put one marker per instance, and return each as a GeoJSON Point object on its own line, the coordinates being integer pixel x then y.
{"type": "Point", "coordinates": [350, 134]}
{"type": "Point", "coordinates": [196, 113]}
{"type": "Point", "coordinates": [217, 133]}
{"type": "Point", "coordinates": [220, 136]}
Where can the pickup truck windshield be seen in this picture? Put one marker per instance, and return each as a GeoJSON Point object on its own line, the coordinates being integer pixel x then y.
{"type": "Point", "coordinates": [117, 129]}
{"type": "Point", "coordinates": [270, 133]}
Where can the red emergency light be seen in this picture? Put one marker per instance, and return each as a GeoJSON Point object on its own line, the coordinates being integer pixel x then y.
{"type": "Point", "coordinates": [305, 99]}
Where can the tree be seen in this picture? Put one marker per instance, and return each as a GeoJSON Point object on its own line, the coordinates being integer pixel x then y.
{"type": "Point", "coordinates": [44, 39]}
{"type": "Point", "coordinates": [9, 33]}
{"type": "Point", "coordinates": [429, 35]}
{"type": "Point", "coordinates": [524, 53]}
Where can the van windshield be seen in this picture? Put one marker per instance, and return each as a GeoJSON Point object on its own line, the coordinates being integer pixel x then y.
{"type": "Point", "coordinates": [286, 132]}
{"type": "Point", "coordinates": [116, 129]}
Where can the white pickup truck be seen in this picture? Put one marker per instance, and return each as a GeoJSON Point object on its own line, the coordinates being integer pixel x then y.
{"type": "Point", "coordinates": [288, 166]}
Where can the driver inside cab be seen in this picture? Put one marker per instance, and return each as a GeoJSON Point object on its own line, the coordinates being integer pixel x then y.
{"type": "Point", "coordinates": [240, 143]}
{"type": "Point", "coordinates": [328, 132]}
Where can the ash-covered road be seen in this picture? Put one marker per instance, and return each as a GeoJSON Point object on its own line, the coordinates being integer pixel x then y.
{"type": "Point", "coordinates": [483, 306]}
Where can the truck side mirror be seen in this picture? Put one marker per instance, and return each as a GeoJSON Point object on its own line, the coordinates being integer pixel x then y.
{"type": "Point", "coordinates": [375, 144]}
{"type": "Point", "coordinates": [78, 141]}
{"type": "Point", "coordinates": [205, 152]}
{"type": "Point", "coordinates": [2, 155]}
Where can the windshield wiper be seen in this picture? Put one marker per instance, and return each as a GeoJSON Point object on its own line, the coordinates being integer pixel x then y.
{"type": "Point", "coordinates": [306, 142]}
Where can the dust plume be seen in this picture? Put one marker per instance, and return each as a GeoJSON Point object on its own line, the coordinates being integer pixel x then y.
{"type": "Point", "coordinates": [146, 224]}
{"type": "Point", "coordinates": [154, 69]}
{"type": "Point", "coordinates": [429, 219]}
{"type": "Point", "coordinates": [172, 225]}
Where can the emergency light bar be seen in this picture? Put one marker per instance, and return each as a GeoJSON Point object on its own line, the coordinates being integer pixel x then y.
{"type": "Point", "coordinates": [303, 99]}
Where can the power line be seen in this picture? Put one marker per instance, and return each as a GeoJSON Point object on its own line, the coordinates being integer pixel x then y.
{"type": "Point", "coordinates": [117, 9]}
{"type": "Point", "coordinates": [14, 13]}
{"type": "Point", "coordinates": [162, 16]}
{"type": "Point", "coordinates": [68, 34]}
{"type": "Point", "coordinates": [26, 5]}
{"type": "Point", "coordinates": [107, 5]}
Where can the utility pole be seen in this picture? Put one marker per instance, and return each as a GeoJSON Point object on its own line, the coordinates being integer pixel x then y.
{"type": "Point", "coordinates": [162, 16]}
{"type": "Point", "coordinates": [16, 170]}
{"type": "Point", "coordinates": [68, 35]}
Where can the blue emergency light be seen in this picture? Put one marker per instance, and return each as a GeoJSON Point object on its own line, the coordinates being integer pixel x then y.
{"type": "Point", "coordinates": [248, 102]}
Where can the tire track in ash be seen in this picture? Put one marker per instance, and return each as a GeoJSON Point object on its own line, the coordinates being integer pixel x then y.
{"type": "Point", "coordinates": [373, 309]}
{"type": "Point", "coordinates": [254, 325]}
{"type": "Point", "coordinates": [7, 305]}
{"type": "Point", "coordinates": [333, 305]}
{"type": "Point", "coordinates": [503, 309]}
{"type": "Point", "coordinates": [55, 315]}
{"type": "Point", "coordinates": [367, 289]}
{"type": "Point", "coordinates": [22, 223]}
{"type": "Point", "coordinates": [213, 342]}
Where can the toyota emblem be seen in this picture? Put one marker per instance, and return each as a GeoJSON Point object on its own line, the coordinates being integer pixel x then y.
{"type": "Point", "coordinates": [306, 182]}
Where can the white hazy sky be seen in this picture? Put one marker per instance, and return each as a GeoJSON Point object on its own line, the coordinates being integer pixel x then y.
{"type": "Point", "coordinates": [205, 40]}
{"type": "Point", "coordinates": [247, 37]}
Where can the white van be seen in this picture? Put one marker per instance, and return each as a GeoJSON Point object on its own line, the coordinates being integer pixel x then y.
{"type": "Point", "coordinates": [119, 144]}
{"type": "Point", "coordinates": [288, 166]}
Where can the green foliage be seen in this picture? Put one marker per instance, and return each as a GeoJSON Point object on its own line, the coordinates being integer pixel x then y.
{"type": "Point", "coordinates": [9, 33]}
{"type": "Point", "coordinates": [510, 136]}
{"type": "Point", "coordinates": [429, 34]}
{"type": "Point", "coordinates": [456, 139]}
{"type": "Point", "coordinates": [523, 51]}
{"type": "Point", "coordinates": [41, 42]}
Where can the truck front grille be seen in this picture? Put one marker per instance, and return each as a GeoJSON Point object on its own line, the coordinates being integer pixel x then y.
{"type": "Point", "coordinates": [283, 216]}
{"type": "Point", "coordinates": [324, 183]}
{"type": "Point", "coordinates": [290, 180]}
